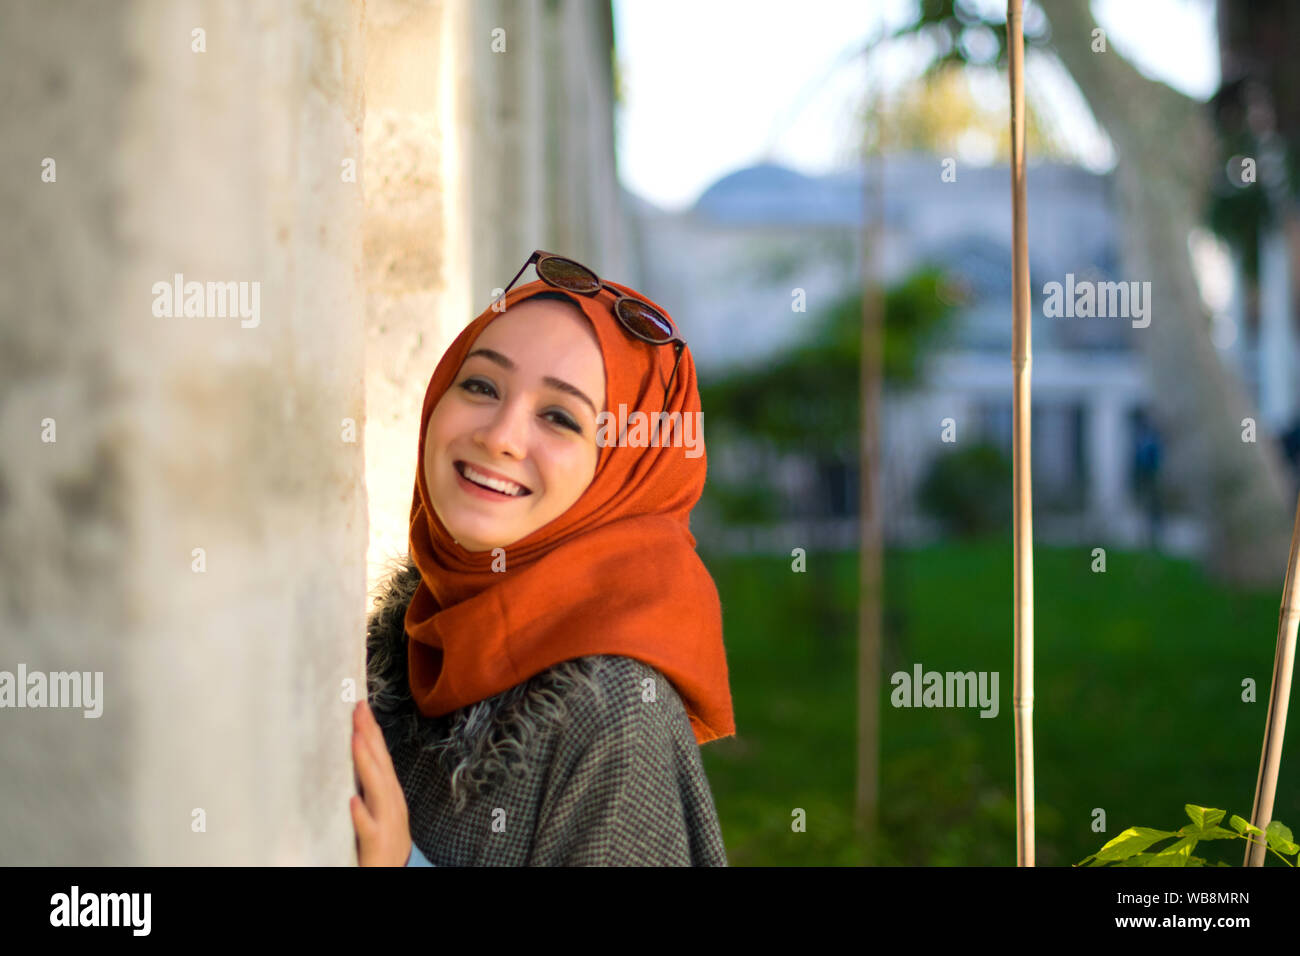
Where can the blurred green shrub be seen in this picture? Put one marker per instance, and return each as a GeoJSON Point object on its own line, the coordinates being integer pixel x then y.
{"type": "Point", "coordinates": [968, 490]}
{"type": "Point", "coordinates": [806, 401]}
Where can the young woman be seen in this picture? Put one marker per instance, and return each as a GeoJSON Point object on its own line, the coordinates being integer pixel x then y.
{"type": "Point", "coordinates": [544, 668]}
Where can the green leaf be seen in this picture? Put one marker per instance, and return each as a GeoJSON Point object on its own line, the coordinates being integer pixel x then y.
{"type": "Point", "coordinates": [1242, 826]}
{"type": "Point", "coordinates": [1142, 859]}
{"type": "Point", "coordinates": [1279, 838]}
{"type": "Point", "coordinates": [1131, 841]}
{"type": "Point", "coordinates": [1176, 854]}
{"type": "Point", "coordinates": [1219, 833]}
{"type": "Point", "coordinates": [1203, 817]}
{"type": "Point", "coordinates": [1278, 830]}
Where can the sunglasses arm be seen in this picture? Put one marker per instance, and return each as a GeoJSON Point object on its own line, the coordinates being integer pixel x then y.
{"type": "Point", "coordinates": [679, 348]}
{"type": "Point", "coordinates": [531, 259]}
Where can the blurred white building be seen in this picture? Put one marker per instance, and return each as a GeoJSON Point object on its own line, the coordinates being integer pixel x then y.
{"type": "Point", "coordinates": [728, 267]}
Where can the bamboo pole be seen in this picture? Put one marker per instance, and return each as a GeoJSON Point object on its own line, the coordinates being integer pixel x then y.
{"type": "Point", "coordinates": [1023, 700]}
{"type": "Point", "coordinates": [1279, 695]}
{"type": "Point", "coordinates": [870, 541]}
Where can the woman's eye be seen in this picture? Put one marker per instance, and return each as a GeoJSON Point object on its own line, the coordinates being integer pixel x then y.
{"type": "Point", "coordinates": [476, 386]}
{"type": "Point", "coordinates": [564, 421]}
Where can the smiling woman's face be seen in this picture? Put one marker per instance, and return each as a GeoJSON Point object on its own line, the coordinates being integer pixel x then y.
{"type": "Point", "coordinates": [512, 414]}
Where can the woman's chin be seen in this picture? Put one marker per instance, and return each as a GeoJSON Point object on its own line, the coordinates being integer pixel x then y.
{"type": "Point", "coordinates": [474, 540]}
{"type": "Point", "coordinates": [473, 535]}
{"type": "Point", "coordinates": [469, 538]}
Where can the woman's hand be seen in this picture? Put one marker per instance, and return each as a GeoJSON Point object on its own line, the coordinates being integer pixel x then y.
{"type": "Point", "coordinates": [379, 813]}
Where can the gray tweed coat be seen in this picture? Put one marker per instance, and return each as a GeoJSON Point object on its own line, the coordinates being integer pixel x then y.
{"type": "Point", "coordinates": [590, 763]}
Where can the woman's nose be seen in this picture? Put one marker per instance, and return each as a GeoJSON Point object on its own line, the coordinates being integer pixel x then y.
{"type": "Point", "coordinates": [507, 431]}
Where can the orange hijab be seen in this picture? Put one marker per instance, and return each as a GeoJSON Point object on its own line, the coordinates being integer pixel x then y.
{"type": "Point", "coordinates": [615, 574]}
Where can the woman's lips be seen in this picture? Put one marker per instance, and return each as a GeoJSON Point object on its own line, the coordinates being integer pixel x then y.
{"type": "Point", "coordinates": [479, 491]}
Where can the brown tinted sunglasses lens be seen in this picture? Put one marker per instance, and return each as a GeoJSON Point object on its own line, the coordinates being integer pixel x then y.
{"type": "Point", "coordinates": [644, 320]}
{"type": "Point", "coordinates": [568, 275]}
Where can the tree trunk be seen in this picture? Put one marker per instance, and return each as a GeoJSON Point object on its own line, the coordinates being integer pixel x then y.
{"type": "Point", "coordinates": [1164, 142]}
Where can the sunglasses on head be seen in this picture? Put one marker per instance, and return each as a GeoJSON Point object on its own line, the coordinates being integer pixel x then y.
{"type": "Point", "coordinates": [637, 317]}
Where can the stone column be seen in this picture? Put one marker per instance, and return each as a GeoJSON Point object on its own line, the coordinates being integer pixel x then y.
{"type": "Point", "coordinates": [183, 499]}
{"type": "Point", "coordinates": [182, 506]}
{"type": "Point", "coordinates": [1110, 506]}
{"type": "Point", "coordinates": [1277, 377]}
{"type": "Point", "coordinates": [417, 240]}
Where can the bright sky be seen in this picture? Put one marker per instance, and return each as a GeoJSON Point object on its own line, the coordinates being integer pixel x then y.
{"type": "Point", "coordinates": [713, 86]}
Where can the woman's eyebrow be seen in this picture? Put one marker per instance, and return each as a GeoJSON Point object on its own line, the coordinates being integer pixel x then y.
{"type": "Point", "coordinates": [494, 356]}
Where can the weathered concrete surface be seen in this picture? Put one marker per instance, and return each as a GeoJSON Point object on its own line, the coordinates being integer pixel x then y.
{"type": "Point", "coordinates": [197, 529]}
{"type": "Point", "coordinates": [224, 735]}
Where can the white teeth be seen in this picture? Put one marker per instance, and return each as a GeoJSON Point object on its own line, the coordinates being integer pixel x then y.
{"type": "Point", "coordinates": [505, 487]}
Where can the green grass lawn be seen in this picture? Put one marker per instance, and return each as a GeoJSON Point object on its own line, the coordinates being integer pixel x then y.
{"type": "Point", "coordinates": [1137, 706]}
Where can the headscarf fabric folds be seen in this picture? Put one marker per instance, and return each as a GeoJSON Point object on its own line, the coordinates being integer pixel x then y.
{"type": "Point", "coordinates": [617, 573]}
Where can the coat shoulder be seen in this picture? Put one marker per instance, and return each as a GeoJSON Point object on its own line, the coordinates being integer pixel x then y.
{"type": "Point", "coordinates": [629, 696]}
{"type": "Point", "coordinates": [626, 785]}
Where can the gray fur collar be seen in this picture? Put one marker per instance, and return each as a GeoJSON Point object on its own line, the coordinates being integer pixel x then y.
{"type": "Point", "coordinates": [479, 746]}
